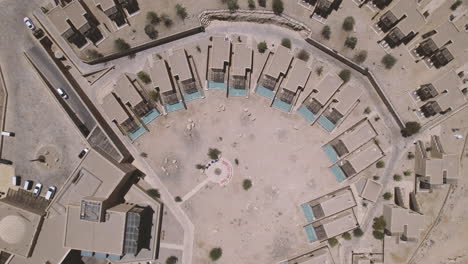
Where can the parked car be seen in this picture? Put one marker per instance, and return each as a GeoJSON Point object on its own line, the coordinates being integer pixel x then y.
{"type": "Point", "coordinates": [7, 134]}
{"type": "Point", "coordinates": [83, 153]}
{"type": "Point", "coordinates": [16, 180]}
{"type": "Point", "coordinates": [50, 192]}
{"type": "Point", "coordinates": [7, 162]}
{"type": "Point", "coordinates": [28, 185]}
{"type": "Point", "coordinates": [27, 21]}
{"type": "Point", "coordinates": [37, 189]}
{"type": "Point", "coordinates": [62, 93]}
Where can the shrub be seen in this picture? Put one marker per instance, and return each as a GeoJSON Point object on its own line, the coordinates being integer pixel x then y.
{"type": "Point", "coordinates": [346, 236]}
{"type": "Point", "coordinates": [178, 199]}
{"type": "Point", "coordinates": [348, 23]}
{"type": "Point", "coordinates": [232, 5]}
{"type": "Point", "coordinates": [376, 177]}
{"type": "Point", "coordinates": [358, 232]}
{"type": "Point", "coordinates": [216, 253]}
{"type": "Point", "coordinates": [455, 5]}
{"type": "Point", "coordinates": [319, 70]}
{"type": "Point", "coordinates": [251, 4]}
{"type": "Point", "coordinates": [410, 129]}
{"type": "Point", "coordinates": [367, 110]}
{"type": "Point", "coordinates": [143, 154]}
{"type": "Point", "coordinates": [144, 77]}
{"type": "Point", "coordinates": [285, 42]}
{"type": "Point", "coordinates": [153, 95]}
{"type": "Point", "coordinates": [181, 11]}
{"type": "Point", "coordinates": [326, 32]}
{"type": "Point", "coordinates": [350, 42]}
{"type": "Point", "coordinates": [378, 235]}
{"type": "Point", "coordinates": [172, 260]}
{"type": "Point", "coordinates": [214, 153]}
{"type": "Point", "coordinates": [387, 196]}
{"type": "Point", "coordinates": [121, 45]}
{"type": "Point", "coordinates": [154, 193]}
{"type": "Point", "coordinates": [332, 242]}
{"type": "Point", "coordinates": [380, 164]}
{"type": "Point", "coordinates": [277, 7]}
{"type": "Point", "coordinates": [360, 57]}
{"type": "Point", "coordinates": [303, 55]}
{"type": "Point", "coordinates": [94, 54]}
{"type": "Point", "coordinates": [199, 166]}
{"type": "Point", "coordinates": [262, 47]}
{"type": "Point", "coordinates": [388, 61]}
{"type": "Point", "coordinates": [262, 3]}
{"type": "Point", "coordinates": [397, 177]}
{"type": "Point", "coordinates": [246, 184]}
{"type": "Point", "coordinates": [345, 75]}
{"type": "Point", "coordinates": [407, 173]}
{"type": "Point", "coordinates": [166, 20]}
{"type": "Point", "coordinates": [379, 223]}
{"type": "Point", "coordinates": [153, 18]}
{"type": "Point", "coordinates": [236, 161]}
{"type": "Point", "coordinates": [410, 155]}
{"type": "Point", "coordinates": [198, 48]}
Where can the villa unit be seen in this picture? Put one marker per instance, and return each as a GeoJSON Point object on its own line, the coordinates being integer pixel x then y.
{"type": "Point", "coordinates": [402, 222]}
{"type": "Point", "coordinates": [170, 96]}
{"type": "Point", "coordinates": [380, 4]}
{"type": "Point", "coordinates": [75, 24]}
{"type": "Point", "coordinates": [435, 169]}
{"type": "Point", "coordinates": [241, 70]}
{"type": "Point", "coordinates": [219, 53]}
{"type": "Point", "coordinates": [371, 190]}
{"type": "Point", "coordinates": [113, 11]}
{"type": "Point", "coordinates": [275, 70]}
{"type": "Point", "coordinates": [319, 95]}
{"type": "Point", "coordinates": [185, 78]}
{"type": "Point", "coordinates": [356, 162]}
{"type": "Point", "coordinates": [349, 141]}
{"type": "Point", "coordinates": [292, 85]}
{"type": "Point", "coordinates": [328, 205]}
{"type": "Point", "coordinates": [331, 226]}
{"type": "Point", "coordinates": [341, 105]}
{"type": "Point", "coordinates": [323, 8]}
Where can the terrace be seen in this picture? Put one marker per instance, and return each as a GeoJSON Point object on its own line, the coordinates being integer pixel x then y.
{"type": "Point", "coordinates": [163, 83]}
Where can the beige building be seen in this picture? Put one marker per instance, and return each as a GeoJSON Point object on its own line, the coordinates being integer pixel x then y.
{"type": "Point", "coordinates": [371, 190]}
{"type": "Point", "coordinates": [329, 204]}
{"type": "Point", "coordinates": [435, 168]}
{"type": "Point", "coordinates": [402, 222]}
{"type": "Point", "coordinates": [241, 70]}
{"type": "Point", "coordinates": [164, 84]}
{"type": "Point", "coordinates": [218, 63]}
{"type": "Point", "coordinates": [292, 85]}
{"type": "Point", "coordinates": [334, 225]}
{"type": "Point", "coordinates": [184, 74]}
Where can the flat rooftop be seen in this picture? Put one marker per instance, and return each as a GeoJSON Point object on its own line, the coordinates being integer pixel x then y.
{"type": "Point", "coordinates": [221, 51]}
{"type": "Point", "coordinates": [358, 136]}
{"type": "Point", "coordinates": [160, 76]}
{"type": "Point", "coordinates": [127, 92]}
{"type": "Point", "coordinates": [363, 158]}
{"type": "Point", "coordinates": [297, 76]}
{"type": "Point", "coordinates": [280, 62]}
{"type": "Point", "coordinates": [113, 109]}
{"type": "Point", "coordinates": [453, 98]}
{"type": "Point", "coordinates": [105, 4]}
{"type": "Point", "coordinates": [58, 17]}
{"type": "Point", "coordinates": [340, 223]}
{"type": "Point", "coordinates": [371, 190]}
{"type": "Point", "coordinates": [445, 32]}
{"type": "Point", "coordinates": [241, 59]}
{"type": "Point", "coordinates": [338, 202]}
{"type": "Point", "coordinates": [413, 21]}
{"type": "Point", "coordinates": [179, 65]}
{"type": "Point", "coordinates": [402, 220]}
{"type": "Point", "coordinates": [346, 98]}
{"type": "Point", "coordinates": [436, 168]}
{"type": "Point", "coordinates": [327, 87]}
{"type": "Point", "coordinates": [75, 12]}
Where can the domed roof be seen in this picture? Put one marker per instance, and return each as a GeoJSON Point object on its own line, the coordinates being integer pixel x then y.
{"type": "Point", "coordinates": [12, 229]}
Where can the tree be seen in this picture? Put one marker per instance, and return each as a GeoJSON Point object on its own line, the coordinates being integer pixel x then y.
{"type": "Point", "coordinates": [326, 32]}
{"type": "Point", "coordinates": [376, 177]}
{"type": "Point", "coordinates": [153, 18]}
{"type": "Point", "coordinates": [285, 42]}
{"type": "Point", "coordinates": [214, 153]}
{"type": "Point", "coordinates": [172, 260]}
{"type": "Point", "coordinates": [397, 177]}
{"type": "Point", "coordinates": [410, 129]}
{"type": "Point", "coordinates": [303, 55]}
{"type": "Point", "coordinates": [246, 184]}
{"type": "Point", "coordinates": [216, 253]}
{"type": "Point", "coordinates": [345, 75]}
{"type": "Point", "coordinates": [348, 23]}
{"type": "Point", "coordinates": [346, 236]}
{"type": "Point", "coordinates": [151, 31]}
{"type": "Point", "coordinates": [181, 11]}
{"type": "Point", "coordinates": [455, 5]}
{"type": "Point", "coordinates": [154, 193]}
{"type": "Point", "coordinates": [379, 223]}
{"type": "Point", "coordinates": [367, 110]}
{"type": "Point", "coordinates": [350, 42]}
{"type": "Point", "coordinates": [319, 70]}
{"type": "Point", "coordinates": [407, 173]}
{"type": "Point", "coordinates": [332, 242]}
{"type": "Point", "coordinates": [262, 3]}
{"type": "Point", "coordinates": [178, 199]}
{"type": "Point", "coordinates": [262, 47]}
{"type": "Point", "coordinates": [236, 161]}
{"type": "Point", "coordinates": [144, 77]}
{"type": "Point", "coordinates": [251, 4]}
{"type": "Point", "coordinates": [387, 196]}
{"type": "Point", "coordinates": [358, 232]}
{"type": "Point", "coordinates": [121, 45]}
{"type": "Point", "coordinates": [380, 164]}
{"type": "Point", "coordinates": [154, 95]}
{"type": "Point", "coordinates": [378, 235]}
{"type": "Point", "coordinates": [166, 20]}
{"type": "Point", "coordinates": [388, 61]}
{"type": "Point", "coordinates": [277, 7]}
{"type": "Point", "coordinates": [94, 54]}
{"type": "Point", "coordinates": [232, 5]}
{"type": "Point", "coordinates": [361, 56]}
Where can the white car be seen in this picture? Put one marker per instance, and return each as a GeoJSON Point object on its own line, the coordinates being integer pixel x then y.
{"type": "Point", "coordinates": [62, 93]}
{"type": "Point", "coordinates": [37, 189]}
{"type": "Point", "coordinates": [27, 21]}
{"type": "Point", "coordinates": [50, 193]}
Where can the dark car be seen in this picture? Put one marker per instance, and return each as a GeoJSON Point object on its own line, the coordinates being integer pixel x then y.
{"type": "Point", "coordinates": [7, 162]}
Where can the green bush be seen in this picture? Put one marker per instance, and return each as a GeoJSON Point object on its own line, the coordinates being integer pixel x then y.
{"type": "Point", "coordinates": [121, 45]}
{"type": "Point", "coordinates": [348, 23]}
{"type": "Point", "coordinates": [94, 54]}
{"type": "Point", "coordinates": [378, 235]}
{"type": "Point", "coordinates": [232, 5]}
{"type": "Point", "coordinates": [397, 177]}
{"type": "Point", "coordinates": [154, 193]}
{"type": "Point", "coordinates": [262, 47]}
{"type": "Point", "coordinates": [144, 77]}
{"type": "Point", "coordinates": [350, 42]}
{"type": "Point", "coordinates": [388, 61]}
{"type": "Point", "coordinates": [410, 129]}
{"type": "Point", "coordinates": [360, 57]}
{"type": "Point", "coordinates": [358, 232]}
{"type": "Point", "coordinates": [153, 95]}
{"type": "Point", "coordinates": [345, 75]}
{"type": "Point", "coordinates": [262, 3]}
{"type": "Point", "coordinates": [166, 20]}
{"type": "Point", "coordinates": [332, 242]}
{"type": "Point", "coordinates": [178, 199]}
{"type": "Point", "coordinates": [181, 11]}
{"type": "Point", "coordinates": [387, 196]}
{"type": "Point", "coordinates": [172, 260]}
{"type": "Point", "coordinates": [376, 177]}
{"type": "Point", "coordinates": [285, 42]}
{"type": "Point", "coordinates": [380, 164]}
{"type": "Point", "coordinates": [216, 254]}
{"type": "Point", "coordinates": [213, 153]}
{"type": "Point", "coordinates": [379, 223]}
{"type": "Point", "coordinates": [277, 7]}
{"type": "Point", "coordinates": [251, 4]}
{"type": "Point", "coordinates": [319, 70]}
{"type": "Point", "coordinates": [326, 32]}
{"type": "Point", "coordinates": [236, 161]}
{"type": "Point", "coordinates": [153, 18]}
{"type": "Point", "coordinates": [407, 173]}
{"type": "Point", "coordinates": [455, 5]}
{"type": "Point", "coordinates": [246, 184]}
{"type": "Point", "coordinates": [346, 236]}
{"type": "Point", "coordinates": [151, 31]}
{"type": "Point", "coordinates": [303, 55]}
{"type": "Point", "coordinates": [199, 166]}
